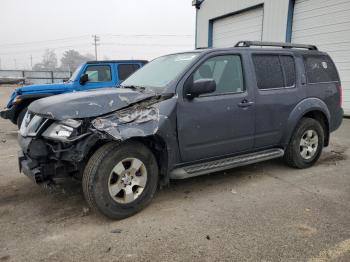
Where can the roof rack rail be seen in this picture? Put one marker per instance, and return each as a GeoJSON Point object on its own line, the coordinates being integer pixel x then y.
{"type": "Point", "coordinates": [277, 44]}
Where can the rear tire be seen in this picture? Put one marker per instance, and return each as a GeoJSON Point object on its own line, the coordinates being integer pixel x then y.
{"type": "Point", "coordinates": [111, 184]}
{"type": "Point", "coordinates": [306, 144]}
{"type": "Point", "coordinates": [20, 117]}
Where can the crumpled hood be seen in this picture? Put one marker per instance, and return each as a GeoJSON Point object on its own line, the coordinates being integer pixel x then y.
{"type": "Point", "coordinates": [42, 88]}
{"type": "Point", "coordinates": [87, 103]}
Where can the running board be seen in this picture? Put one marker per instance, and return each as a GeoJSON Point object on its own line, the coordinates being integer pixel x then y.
{"type": "Point", "coordinates": [226, 163]}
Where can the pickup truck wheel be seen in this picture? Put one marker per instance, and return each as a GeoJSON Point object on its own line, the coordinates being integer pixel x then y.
{"type": "Point", "coordinates": [21, 117]}
{"type": "Point", "coordinates": [306, 144]}
{"type": "Point", "coordinates": [120, 179]}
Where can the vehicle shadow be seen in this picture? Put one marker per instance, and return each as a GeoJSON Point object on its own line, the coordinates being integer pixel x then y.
{"type": "Point", "coordinates": [66, 201]}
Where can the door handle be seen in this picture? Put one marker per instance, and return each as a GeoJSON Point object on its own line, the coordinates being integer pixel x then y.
{"type": "Point", "coordinates": [245, 103]}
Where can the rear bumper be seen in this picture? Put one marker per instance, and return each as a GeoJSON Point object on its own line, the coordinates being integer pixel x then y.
{"type": "Point", "coordinates": [336, 120]}
{"type": "Point", "coordinates": [9, 113]}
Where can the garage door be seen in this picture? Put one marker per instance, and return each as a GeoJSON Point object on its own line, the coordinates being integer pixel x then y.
{"type": "Point", "coordinates": [243, 26]}
{"type": "Point", "coordinates": [326, 24]}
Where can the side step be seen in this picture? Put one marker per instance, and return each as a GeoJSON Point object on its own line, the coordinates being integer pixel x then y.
{"type": "Point", "coordinates": [226, 163]}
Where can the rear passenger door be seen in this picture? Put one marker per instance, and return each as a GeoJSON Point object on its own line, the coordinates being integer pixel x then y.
{"type": "Point", "coordinates": [276, 95]}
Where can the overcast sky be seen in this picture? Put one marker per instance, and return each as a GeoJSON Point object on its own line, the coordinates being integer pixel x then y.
{"type": "Point", "coordinates": [28, 27]}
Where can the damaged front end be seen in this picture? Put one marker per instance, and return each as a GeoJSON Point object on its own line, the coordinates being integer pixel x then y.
{"type": "Point", "coordinates": [55, 149]}
{"type": "Point", "coordinates": [138, 120]}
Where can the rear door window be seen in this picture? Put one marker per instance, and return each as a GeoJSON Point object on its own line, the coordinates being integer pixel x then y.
{"type": "Point", "coordinates": [288, 67]}
{"type": "Point", "coordinates": [125, 70]}
{"type": "Point", "coordinates": [320, 69]}
{"type": "Point", "coordinates": [274, 71]}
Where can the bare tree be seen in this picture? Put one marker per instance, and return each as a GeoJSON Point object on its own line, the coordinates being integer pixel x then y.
{"type": "Point", "coordinates": [71, 59]}
{"type": "Point", "coordinates": [49, 61]}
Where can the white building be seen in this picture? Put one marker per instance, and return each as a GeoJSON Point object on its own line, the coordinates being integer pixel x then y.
{"type": "Point", "coordinates": [325, 23]}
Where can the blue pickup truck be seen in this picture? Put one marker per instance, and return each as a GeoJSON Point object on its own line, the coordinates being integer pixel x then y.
{"type": "Point", "coordinates": [91, 75]}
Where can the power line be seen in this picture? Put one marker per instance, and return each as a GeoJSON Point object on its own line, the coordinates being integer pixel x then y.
{"type": "Point", "coordinates": [42, 49]}
{"type": "Point", "coordinates": [44, 41]}
{"type": "Point", "coordinates": [151, 35]}
{"type": "Point", "coordinates": [144, 44]}
{"type": "Point", "coordinates": [12, 45]}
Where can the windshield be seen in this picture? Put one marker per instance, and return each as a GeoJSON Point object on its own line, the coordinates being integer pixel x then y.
{"type": "Point", "coordinates": [75, 74]}
{"type": "Point", "coordinates": [157, 74]}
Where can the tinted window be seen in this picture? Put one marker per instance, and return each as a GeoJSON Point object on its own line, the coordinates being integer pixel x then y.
{"type": "Point", "coordinates": [274, 71]}
{"type": "Point", "coordinates": [320, 69]}
{"type": "Point", "coordinates": [99, 73]}
{"type": "Point", "coordinates": [268, 71]}
{"type": "Point", "coordinates": [225, 70]}
{"type": "Point", "coordinates": [124, 71]}
{"type": "Point", "coordinates": [288, 67]}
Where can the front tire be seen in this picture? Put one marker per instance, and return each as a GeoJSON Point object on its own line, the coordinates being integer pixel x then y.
{"type": "Point", "coordinates": [120, 179]}
{"type": "Point", "coordinates": [306, 144]}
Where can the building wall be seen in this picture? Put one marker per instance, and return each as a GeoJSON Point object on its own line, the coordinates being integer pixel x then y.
{"type": "Point", "coordinates": [274, 22]}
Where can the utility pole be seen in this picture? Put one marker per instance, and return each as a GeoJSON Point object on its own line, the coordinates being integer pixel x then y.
{"type": "Point", "coordinates": [95, 43]}
{"type": "Point", "coordinates": [31, 62]}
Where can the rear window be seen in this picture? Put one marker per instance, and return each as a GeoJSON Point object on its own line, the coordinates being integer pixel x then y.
{"type": "Point", "coordinates": [320, 69]}
{"type": "Point", "coordinates": [125, 70]}
{"type": "Point", "coordinates": [274, 71]}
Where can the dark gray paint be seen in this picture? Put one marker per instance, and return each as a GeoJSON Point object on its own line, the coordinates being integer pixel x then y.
{"type": "Point", "coordinates": [86, 104]}
{"type": "Point", "coordinates": [192, 131]}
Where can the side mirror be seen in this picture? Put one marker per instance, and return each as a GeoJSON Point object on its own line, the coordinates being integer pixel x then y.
{"type": "Point", "coordinates": [201, 86]}
{"type": "Point", "coordinates": [83, 79]}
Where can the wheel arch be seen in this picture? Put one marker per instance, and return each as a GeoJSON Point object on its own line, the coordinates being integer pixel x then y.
{"type": "Point", "coordinates": [155, 143]}
{"type": "Point", "coordinates": [312, 108]}
{"type": "Point", "coordinates": [159, 148]}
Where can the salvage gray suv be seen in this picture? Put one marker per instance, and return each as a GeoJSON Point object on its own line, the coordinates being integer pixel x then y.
{"type": "Point", "coordinates": [184, 115]}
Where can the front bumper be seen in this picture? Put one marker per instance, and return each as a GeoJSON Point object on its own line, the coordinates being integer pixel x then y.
{"type": "Point", "coordinates": [29, 167]}
{"type": "Point", "coordinates": [9, 113]}
{"type": "Point", "coordinates": [40, 160]}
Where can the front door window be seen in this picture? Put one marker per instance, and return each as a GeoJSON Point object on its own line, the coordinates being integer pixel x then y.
{"type": "Point", "coordinates": [99, 73]}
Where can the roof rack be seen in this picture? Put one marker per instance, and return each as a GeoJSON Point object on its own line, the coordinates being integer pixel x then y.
{"type": "Point", "coordinates": [277, 44]}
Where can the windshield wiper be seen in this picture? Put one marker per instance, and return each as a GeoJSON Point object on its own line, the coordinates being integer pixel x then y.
{"type": "Point", "coordinates": [136, 88]}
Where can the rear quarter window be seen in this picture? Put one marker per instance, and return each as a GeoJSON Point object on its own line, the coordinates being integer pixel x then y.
{"type": "Point", "coordinates": [320, 68]}
{"type": "Point", "coordinates": [125, 70]}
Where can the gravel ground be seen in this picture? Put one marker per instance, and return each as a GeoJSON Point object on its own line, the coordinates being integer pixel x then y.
{"type": "Point", "coordinates": [262, 212]}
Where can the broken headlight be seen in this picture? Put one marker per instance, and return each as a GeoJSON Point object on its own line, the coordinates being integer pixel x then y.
{"type": "Point", "coordinates": [31, 125]}
{"type": "Point", "coordinates": [63, 130]}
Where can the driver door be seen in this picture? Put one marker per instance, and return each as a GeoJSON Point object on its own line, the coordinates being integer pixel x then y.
{"type": "Point", "coordinates": [220, 123]}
